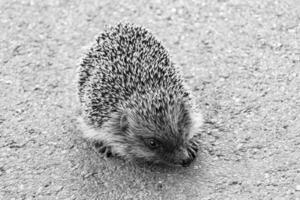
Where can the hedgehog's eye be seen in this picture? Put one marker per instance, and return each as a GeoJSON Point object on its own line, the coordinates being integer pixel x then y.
{"type": "Point", "coordinates": [152, 143]}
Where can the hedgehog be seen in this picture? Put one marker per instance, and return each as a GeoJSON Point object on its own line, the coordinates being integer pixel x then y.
{"type": "Point", "coordinates": [134, 102]}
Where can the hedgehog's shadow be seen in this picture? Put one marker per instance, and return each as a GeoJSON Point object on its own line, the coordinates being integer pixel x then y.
{"type": "Point", "coordinates": [104, 155]}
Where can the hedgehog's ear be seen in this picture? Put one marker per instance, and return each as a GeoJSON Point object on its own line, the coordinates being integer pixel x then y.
{"type": "Point", "coordinates": [123, 122]}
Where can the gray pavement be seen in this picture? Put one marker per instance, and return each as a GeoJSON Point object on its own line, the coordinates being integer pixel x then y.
{"type": "Point", "coordinates": [241, 59]}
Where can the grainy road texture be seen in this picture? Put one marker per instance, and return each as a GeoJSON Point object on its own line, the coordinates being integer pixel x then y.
{"type": "Point", "coordinates": [241, 58]}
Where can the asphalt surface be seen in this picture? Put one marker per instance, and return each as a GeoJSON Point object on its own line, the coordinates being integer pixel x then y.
{"type": "Point", "coordinates": [241, 58]}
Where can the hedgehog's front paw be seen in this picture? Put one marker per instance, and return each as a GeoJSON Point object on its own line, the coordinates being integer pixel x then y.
{"type": "Point", "coordinates": [105, 151]}
{"type": "Point", "coordinates": [193, 147]}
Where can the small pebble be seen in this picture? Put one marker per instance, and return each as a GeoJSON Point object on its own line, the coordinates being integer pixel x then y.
{"type": "Point", "coordinates": [197, 167]}
{"type": "Point", "coordinates": [239, 146]}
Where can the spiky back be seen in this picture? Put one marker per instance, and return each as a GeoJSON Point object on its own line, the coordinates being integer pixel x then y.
{"type": "Point", "coordinates": [126, 63]}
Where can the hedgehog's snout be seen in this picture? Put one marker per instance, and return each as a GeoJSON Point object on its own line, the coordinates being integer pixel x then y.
{"type": "Point", "coordinates": [186, 162]}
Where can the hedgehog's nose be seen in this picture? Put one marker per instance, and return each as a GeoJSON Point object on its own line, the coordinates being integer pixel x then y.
{"type": "Point", "coordinates": [187, 162]}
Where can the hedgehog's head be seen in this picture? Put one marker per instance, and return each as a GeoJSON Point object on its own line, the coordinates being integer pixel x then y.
{"type": "Point", "coordinates": [160, 131]}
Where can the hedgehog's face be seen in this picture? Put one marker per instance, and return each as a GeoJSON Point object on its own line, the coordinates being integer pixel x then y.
{"type": "Point", "coordinates": [170, 141]}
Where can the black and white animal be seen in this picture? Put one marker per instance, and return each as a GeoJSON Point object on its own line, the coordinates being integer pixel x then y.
{"type": "Point", "coordinates": [134, 102]}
